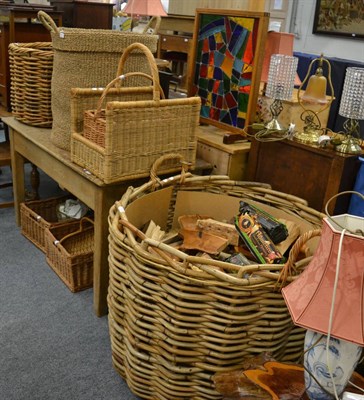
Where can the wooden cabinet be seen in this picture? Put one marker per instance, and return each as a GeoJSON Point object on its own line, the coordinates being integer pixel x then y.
{"type": "Point", "coordinates": [279, 10]}
{"type": "Point", "coordinates": [175, 48]}
{"type": "Point", "coordinates": [225, 159]}
{"type": "Point", "coordinates": [174, 43]}
{"type": "Point", "coordinates": [312, 173]}
{"type": "Point", "coordinates": [85, 14]}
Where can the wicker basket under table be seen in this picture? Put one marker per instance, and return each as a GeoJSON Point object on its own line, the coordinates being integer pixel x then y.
{"type": "Point", "coordinates": [175, 319]}
{"type": "Point", "coordinates": [69, 251]}
{"type": "Point", "coordinates": [38, 215]}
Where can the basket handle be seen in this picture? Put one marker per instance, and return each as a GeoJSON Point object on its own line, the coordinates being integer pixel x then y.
{"type": "Point", "coordinates": [151, 61]}
{"type": "Point", "coordinates": [81, 228]}
{"type": "Point", "coordinates": [159, 161]}
{"type": "Point", "coordinates": [119, 79]}
{"type": "Point", "coordinates": [47, 21]}
{"type": "Point", "coordinates": [288, 267]}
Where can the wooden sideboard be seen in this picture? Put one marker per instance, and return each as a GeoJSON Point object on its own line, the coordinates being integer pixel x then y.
{"type": "Point", "coordinates": [85, 14]}
{"type": "Point", "coordinates": [312, 173]}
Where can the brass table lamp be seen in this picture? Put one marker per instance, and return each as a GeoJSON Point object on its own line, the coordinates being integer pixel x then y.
{"type": "Point", "coordinates": [314, 101]}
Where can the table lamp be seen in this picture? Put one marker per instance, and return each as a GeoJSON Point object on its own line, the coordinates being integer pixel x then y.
{"type": "Point", "coordinates": [327, 299]}
{"type": "Point", "coordinates": [314, 101]}
{"type": "Point", "coordinates": [151, 8]}
{"type": "Point", "coordinates": [277, 43]}
{"type": "Point", "coordinates": [352, 108]}
{"type": "Point", "coordinates": [281, 77]}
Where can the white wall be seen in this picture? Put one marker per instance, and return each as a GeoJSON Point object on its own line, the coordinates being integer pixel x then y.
{"type": "Point", "coordinates": [330, 46]}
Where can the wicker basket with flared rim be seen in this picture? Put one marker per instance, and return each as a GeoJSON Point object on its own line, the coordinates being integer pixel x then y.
{"type": "Point", "coordinates": [31, 67]}
{"type": "Point", "coordinates": [38, 215]}
{"type": "Point", "coordinates": [175, 319]}
{"type": "Point", "coordinates": [137, 133]}
{"type": "Point", "coordinates": [69, 252]}
{"type": "Point", "coordinates": [86, 58]}
{"type": "Point", "coordinates": [94, 125]}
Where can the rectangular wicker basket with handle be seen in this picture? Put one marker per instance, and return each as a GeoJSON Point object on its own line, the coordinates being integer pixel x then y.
{"type": "Point", "coordinates": [39, 215]}
{"type": "Point", "coordinates": [69, 252]}
{"type": "Point", "coordinates": [136, 133]}
{"type": "Point", "coordinates": [94, 121]}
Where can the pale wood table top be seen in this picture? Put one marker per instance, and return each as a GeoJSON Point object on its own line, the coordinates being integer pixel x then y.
{"type": "Point", "coordinates": [213, 136]}
{"type": "Point", "coordinates": [34, 144]}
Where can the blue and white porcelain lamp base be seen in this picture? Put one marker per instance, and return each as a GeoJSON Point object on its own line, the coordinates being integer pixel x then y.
{"type": "Point", "coordinates": [343, 358]}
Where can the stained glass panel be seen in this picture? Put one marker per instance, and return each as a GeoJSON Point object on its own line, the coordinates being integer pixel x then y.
{"type": "Point", "coordinates": [226, 56]}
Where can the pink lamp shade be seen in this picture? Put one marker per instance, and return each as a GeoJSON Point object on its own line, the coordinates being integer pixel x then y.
{"type": "Point", "coordinates": [277, 43]}
{"type": "Point", "coordinates": [145, 7]}
{"type": "Point", "coordinates": [310, 296]}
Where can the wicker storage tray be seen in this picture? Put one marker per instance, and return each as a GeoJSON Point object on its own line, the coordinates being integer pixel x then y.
{"type": "Point", "coordinates": [175, 319]}
{"type": "Point", "coordinates": [37, 215]}
{"type": "Point", "coordinates": [86, 58]}
{"type": "Point", "coordinates": [31, 66]}
{"type": "Point", "coordinates": [69, 252]}
{"type": "Point", "coordinates": [131, 135]}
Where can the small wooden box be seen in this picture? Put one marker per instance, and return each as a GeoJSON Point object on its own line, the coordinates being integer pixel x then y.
{"type": "Point", "coordinates": [226, 159]}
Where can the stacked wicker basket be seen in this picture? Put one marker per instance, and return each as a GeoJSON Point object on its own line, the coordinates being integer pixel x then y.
{"type": "Point", "coordinates": [67, 243]}
{"type": "Point", "coordinates": [31, 66]}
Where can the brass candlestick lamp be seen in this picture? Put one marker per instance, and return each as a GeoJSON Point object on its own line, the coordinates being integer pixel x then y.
{"type": "Point", "coordinates": [314, 101]}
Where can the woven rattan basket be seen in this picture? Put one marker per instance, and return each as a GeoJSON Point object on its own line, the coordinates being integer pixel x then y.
{"type": "Point", "coordinates": [69, 251]}
{"type": "Point", "coordinates": [175, 319]}
{"type": "Point", "coordinates": [134, 134]}
{"type": "Point", "coordinates": [94, 121]}
{"type": "Point", "coordinates": [86, 58]}
{"type": "Point", "coordinates": [37, 216]}
{"type": "Point", "coordinates": [31, 66]}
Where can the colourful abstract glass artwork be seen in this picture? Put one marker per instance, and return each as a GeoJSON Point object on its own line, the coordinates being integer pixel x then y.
{"type": "Point", "coordinates": [226, 53]}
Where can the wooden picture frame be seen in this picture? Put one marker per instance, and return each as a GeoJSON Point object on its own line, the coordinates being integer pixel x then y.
{"type": "Point", "coordinates": [339, 18]}
{"type": "Point", "coordinates": [225, 65]}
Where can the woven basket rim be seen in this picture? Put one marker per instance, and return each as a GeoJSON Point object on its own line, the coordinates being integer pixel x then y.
{"type": "Point", "coordinates": [265, 274]}
{"type": "Point", "coordinates": [99, 40]}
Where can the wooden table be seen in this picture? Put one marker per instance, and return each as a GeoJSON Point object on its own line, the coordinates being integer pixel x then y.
{"type": "Point", "coordinates": [34, 144]}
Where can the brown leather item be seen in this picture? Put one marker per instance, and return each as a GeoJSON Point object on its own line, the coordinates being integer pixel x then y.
{"type": "Point", "coordinates": [203, 241]}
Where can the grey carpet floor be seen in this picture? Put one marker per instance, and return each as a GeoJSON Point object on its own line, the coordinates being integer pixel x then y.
{"type": "Point", "coordinates": [52, 346]}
